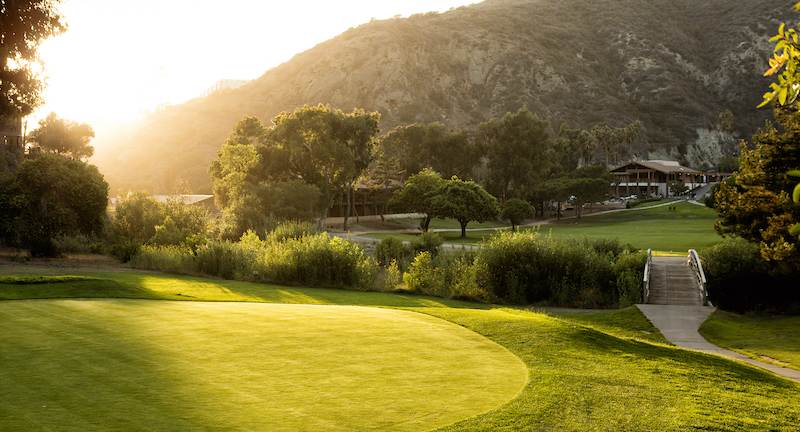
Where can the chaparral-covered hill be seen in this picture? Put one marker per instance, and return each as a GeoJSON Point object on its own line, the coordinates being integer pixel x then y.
{"type": "Point", "coordinates": [673, 64]}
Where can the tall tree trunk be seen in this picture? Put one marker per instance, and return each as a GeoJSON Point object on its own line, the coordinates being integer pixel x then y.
{"type": "Point", "coordinates": [463, 229]}
{"type": "Point", "coordinates": [348, 199]}
{"type": "Point", "coordinates": [426, 223]}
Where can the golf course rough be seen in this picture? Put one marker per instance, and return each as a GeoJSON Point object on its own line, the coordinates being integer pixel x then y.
{"type": "Point", "coordinates": [81, 365]}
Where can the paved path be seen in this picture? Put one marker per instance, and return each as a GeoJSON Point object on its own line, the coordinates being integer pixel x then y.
{"type": "Point", "coordinates": [675, 307]}
{"type": "Point", "coordinates": [680, 325]}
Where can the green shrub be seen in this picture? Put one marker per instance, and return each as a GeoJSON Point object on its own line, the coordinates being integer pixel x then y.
{"type": "Point", "coordinates": [392, 277]}
{"type": "Point", "coordinates": [317, 260]}
{"type": "Point", "coordinates": [79, 243]}
{"type": "Point", "coordinates": [524, 268]}
{"type": "Point", "coordinates": [739, 279]}
{"type": "Point", "coordinates": [428, 242]}
{"type": "Point", "coordinates": [610, 247]}
{"type": "Point", "coordinates": [169, 258]}
{"type": "Point", "coordinates": [461, 278]}
{"type": "Point", "coordinates": [391, 249]}
{"type": "Point", "coordinates": [224, 259]}
{"type": "Point", "coordinates": [291, 230]}
{"type": "Point", "coordinates": [629, 268]}
{"type": "Point", "coordinates": [424, 277]}
{"type": "Point", "coordinates": [124, 249]}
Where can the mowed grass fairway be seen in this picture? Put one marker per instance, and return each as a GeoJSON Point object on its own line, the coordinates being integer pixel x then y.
{"type": "Point", "coordinates": [774, 339]}
{"type": "Point", "coordinates": [594, 371]}
{"type": "Point", "coordinates": [149, 365]}
{"type": "Point", "coordinates": [690, 226]}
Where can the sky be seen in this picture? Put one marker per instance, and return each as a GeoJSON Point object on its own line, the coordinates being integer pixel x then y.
{"type": "Point", "coordinates": [120, 59]}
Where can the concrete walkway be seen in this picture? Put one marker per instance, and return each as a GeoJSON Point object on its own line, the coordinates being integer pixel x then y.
{"type": "Point", "coordinates": [680, 325]}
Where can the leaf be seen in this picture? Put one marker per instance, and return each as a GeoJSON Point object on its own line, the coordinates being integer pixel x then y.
{"type": "Point", "coordinates": [796, 194]}
{"type": "Point", "coordinates": [782, 96]}
{"type": "Point", "coordinates": [794, 173]}
{"type": "Point", "coordinates": [795, 230]}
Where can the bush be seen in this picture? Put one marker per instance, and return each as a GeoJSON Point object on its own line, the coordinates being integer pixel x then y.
{"type": "Point", "coordinates": [740, 280]}
{"type": "Point", "coordinates": [607, 247]}
{"type": "Point", "coordinates": [223, 259]}
{"type": "Point", "coordinates": [170, 258]}
{"type": "Point", "coordinates": [392, 277]}
{"type": "Point", "coordinates": [523, 268]}
{"type": "Point", "coordinates": [461, 278]}
{"type": "Point", "coordinates": [291, 230]}
{"type": "Point", "coordinates": [428, 242]}
{"type": "Point", "coordinates": [391, 249]}
{"type": "Point", "coordinates": [79, 243]}
{"type": "Point", "coordinates": [424, 277]}
{"type": "Point", "coordinates": [629, 268]}
{"type": "Point", "coordinates": [317, 260]}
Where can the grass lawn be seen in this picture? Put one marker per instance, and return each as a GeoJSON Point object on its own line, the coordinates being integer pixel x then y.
{"type": "Point", "coordinates": [774, 339]}
{"type": "Point", "coordinates": [472, 238]}
{"type": "Point", "coordinates": [588, 371]}
{"type": "Point", "coordinates": [437, 223]}
{"type": "Point", "coordinates": [689, 227]}
{"type": "Point", "coordinates": [154, 365]}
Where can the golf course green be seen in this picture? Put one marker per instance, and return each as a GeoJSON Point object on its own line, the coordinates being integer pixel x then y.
{"type": "Point", "coordinates": [153, 365]}
{"type": "Point", "coordinates": [245, 356]}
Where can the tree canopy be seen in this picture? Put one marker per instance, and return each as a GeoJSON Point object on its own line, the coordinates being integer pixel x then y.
{"type": "Point", "coordinates": [52, 195]}
{"type": "Point", "coordinates": [518, 149]}
{"type": "Point", "coordinates": [465, 201]}
{"type": "Point", "coordinates": [757, 203]}
{"type": "Point", "coordinates": [64, 137]}
{"type": "Point", "coordinates": [418, 195]}
{"type": "Point", "coordinates": [429, 145]}
{"type": "Point", "coordinates": [516, 211]}
{"type": "Point", "coordinates": [23, 27]}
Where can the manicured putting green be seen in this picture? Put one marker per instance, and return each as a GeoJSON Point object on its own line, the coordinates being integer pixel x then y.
{"type": "Point", "coordinates": [80, 365]}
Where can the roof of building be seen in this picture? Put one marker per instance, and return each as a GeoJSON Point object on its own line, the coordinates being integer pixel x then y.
{"type": "Point", "coordinates": [186, 199]}
{"type": "Point", "coordinates": [664, 166]}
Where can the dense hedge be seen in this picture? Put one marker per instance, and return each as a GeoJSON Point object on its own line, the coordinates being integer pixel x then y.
{"type": "Point", "coordinates": [525, 268]}
{"type": "Point", "coordinates": [313, 259]}
{"type": "Point", "coordinates": [512, 268]}
{"type": "Point", "coordinates": [740, 280]}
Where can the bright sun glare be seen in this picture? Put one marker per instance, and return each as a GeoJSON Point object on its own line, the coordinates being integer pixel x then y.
{"type": "Point", "coordinates": [120, 59]}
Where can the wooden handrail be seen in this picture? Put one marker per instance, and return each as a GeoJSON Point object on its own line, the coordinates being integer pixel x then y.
{"type": "Point", "coordinates": [646, 278]}
{"type": "Point", "coordinates": [700, 275]}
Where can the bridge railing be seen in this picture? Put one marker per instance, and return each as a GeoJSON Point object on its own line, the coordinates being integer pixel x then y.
{"type": "Point", "coordinates": [700, 275]}
{"type": "Point", "coordinates": [646, 279]}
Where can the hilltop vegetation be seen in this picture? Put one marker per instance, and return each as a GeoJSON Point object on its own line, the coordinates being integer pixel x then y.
{"type": "Point", "coordinates": [674, 65]}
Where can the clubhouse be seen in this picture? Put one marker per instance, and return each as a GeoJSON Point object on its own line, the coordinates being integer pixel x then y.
{"type": "Point", "coordinates": [653, 177]}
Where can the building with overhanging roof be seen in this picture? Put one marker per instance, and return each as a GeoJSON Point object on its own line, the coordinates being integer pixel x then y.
{"type": "Point", "coordinates": [652, 178]}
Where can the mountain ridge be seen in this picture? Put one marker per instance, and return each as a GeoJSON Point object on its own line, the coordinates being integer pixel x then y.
{"type": "Point", "coordinates": [674, 65]}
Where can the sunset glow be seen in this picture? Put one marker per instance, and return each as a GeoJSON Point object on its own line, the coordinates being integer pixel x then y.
{"type": "Point", "coordinates": [121, 59]}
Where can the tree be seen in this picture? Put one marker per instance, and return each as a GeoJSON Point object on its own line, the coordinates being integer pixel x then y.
{"type": "Point", "coordinates": [465, 201]}
{"type": "Point", "coordinates": [181, 224]}
{"type": "Point", "coordinates": [418, 195]}
{"type": "Point", "coordinates": [431, 145]}
{"type": "Point", "coordinates": [59, 136]}
{"type": "Point", "coordinates": [326, 147]}
{"type": "Point", "coordinates": [24, 24]}
{"type": "Point", "coordinates": [785, 63]}
{"type": "Point", "coordinates": [136, 217]}
{"type": "Point", "coordinates": [516, 211]}
{"type": "Point", "coordinates": [516, 147]}
{"type": "Point", "coordinates": [57, 196]}
{"type": "Point", "coordinates": [586, 190]}
{"type": "Point", "coordinates": [757, 203]}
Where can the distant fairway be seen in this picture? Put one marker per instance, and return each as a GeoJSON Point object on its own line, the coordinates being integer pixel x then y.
{"type": "Point", "coordinates": [689, 226]}
{"type": "Point", "coordinates": [80, 365]}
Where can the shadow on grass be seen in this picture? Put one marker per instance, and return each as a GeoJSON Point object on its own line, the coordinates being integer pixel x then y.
{"type": "Point", "coordinates": [71, 365]}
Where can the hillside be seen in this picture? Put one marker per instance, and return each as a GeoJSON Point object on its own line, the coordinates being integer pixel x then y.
{"type": "Point", "coordinates": [673, 64]}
